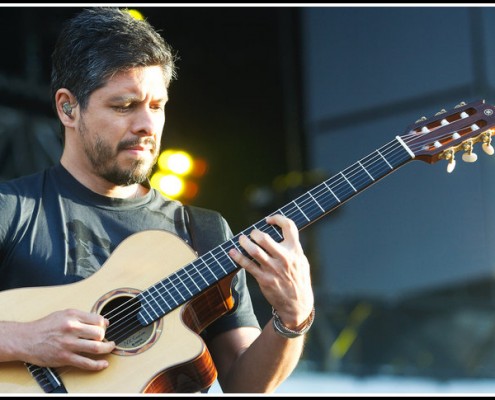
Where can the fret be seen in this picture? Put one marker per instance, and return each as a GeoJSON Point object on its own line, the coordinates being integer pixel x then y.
{"type": "Point", "coordinates": [218, 263]}
{"type": "Point", "coordinates": [302, 212]}
{"type": "Point", "coordinates": [199, 272]}
{"type": "Point", "coordinates": [316, 201]}
{"type": "Point", "coordinates": [384, 159]}
{"type": "Point", "coordinates": [377, 167]}
{"type": "Point", "coordinates": [189, 283]}
{"type": "Point", "coordinates": [362, 166]}
{"type": "Point", "coordinates": [208, 269]}
{"type": "Point", "coordinates": [182, 284]}
{"type": "Point", "coordinates": [234, 242]}
{"type": "Point", "coordinates": [154, 307]}
{"type": "Point", "coordinates": [174, 288]}
{"type": "Point", "coordinates": [163, 298]}
{"type": "Point", "coordinates": [228, 259]}
{"type": "Point", "coordinates": [331, 191]}
{"type": "Point", "coordinates": [347, 180]}
{"type": "Point", "coordinates": [193, 280]}
{"type": "Point", "coordinates": [306, 204]}
{"type": "Point", "coordinates": [146, 307]}
{"type": "Point", "coordinates": [164, 286]}
{"type": "Point", "coordinates": [276, 230]}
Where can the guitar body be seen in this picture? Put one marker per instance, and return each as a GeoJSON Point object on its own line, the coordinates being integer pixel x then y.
{"type": "Point", "coordinates": [166, 356]}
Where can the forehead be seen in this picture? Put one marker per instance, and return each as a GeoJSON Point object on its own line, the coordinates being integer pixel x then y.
{"type": "Point", "coordinates": [140, 81]}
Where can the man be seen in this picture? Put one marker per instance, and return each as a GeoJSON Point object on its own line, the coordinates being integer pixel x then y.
{"type": "Point", "coordinates": [110, 82]}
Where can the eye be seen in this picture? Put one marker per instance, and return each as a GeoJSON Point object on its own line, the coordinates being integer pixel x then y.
{"type": "Point", "coordinates": [122, 108]}
{"type": "Point", "coordinates": [157, 107]}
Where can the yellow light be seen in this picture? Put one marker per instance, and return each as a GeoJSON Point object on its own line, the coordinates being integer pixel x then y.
{"type": "Point", "coordinates": [176, 174]}
{"type": "Point", "coordinates": [135, 14]}
{"type": "Point", "coordinates": [178, 162]}
{"type": "Point", "coordinates": [170, 185]}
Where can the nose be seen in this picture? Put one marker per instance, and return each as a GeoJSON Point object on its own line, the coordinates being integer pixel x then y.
{"type": "Point", "coordinates": [148, 122]}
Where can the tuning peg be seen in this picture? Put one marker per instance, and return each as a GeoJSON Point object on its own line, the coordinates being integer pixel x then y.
{"type": "Point", "coordinates": [461, 104]}
{"type": "Point", "coordinates": [421, 119]}
{"type": "Point", "coordinates": [451, 165]}
{"type": "Point", "coordinates": [442, 111]}
{"type": "Point", "coordinates": [469, 156]}
{"type": "Point", "coordinates": [488, 149]}
{"type": "Point", "coordinates": [450, 157]}
{"type": "Point", "coordinates": [487, 144]}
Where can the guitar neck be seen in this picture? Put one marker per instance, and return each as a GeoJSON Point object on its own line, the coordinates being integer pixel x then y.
{"type": "Point", "coordinates": [341, 187]}
{"type": "Point", "coordinates": [208, 269]}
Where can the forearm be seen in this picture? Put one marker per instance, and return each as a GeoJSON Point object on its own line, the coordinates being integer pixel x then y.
{"type": "Point", "coordinates": [10, 335]}
{"type": "Point", "coordinates": [269, 360]}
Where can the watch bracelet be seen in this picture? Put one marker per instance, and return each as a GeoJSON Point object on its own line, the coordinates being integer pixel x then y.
{"type": "Point", "coordinates": [282, 330]}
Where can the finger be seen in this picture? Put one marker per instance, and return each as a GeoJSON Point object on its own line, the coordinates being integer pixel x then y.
{"type": "Point", "coordinates": [93, 319]}
{"type": "Point", "coordinates": [88, 363]}
{"type": "Point", "coordinates": [93, 347]}
{"type": "Point", "coordinates": [245, 262]}
{"type": "Point", "coordinates": [267, 247]}
{"type": "Point", "coordinates": [89, 325]}
{"type": "Point", "coordinates": [91, 332]}
{"type": "Point", "coordinates": [257, 245]}
{"type": "Point", "coordinates": [288, 226]}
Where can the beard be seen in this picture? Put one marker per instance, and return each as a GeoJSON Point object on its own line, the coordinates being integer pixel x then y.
{"type": "Point", "coordinates": [103, 158]}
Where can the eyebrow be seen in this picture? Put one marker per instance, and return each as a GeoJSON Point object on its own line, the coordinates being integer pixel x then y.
{"type": "Point", "coordinates": [133, 98]}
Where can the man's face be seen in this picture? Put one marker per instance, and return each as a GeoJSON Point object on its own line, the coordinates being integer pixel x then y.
{"type": "Point", "coordinates": [121, 128]}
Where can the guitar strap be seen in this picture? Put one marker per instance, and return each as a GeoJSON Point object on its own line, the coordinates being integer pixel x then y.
{"type": "Point", "coordinates": [207, 228]}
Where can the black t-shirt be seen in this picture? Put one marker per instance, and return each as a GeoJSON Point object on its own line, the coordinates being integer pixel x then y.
{"type": "Point", "coordinates": [54, 230]}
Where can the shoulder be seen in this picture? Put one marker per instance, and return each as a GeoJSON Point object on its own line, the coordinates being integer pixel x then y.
{"type": "Point", "coordinates": [206, 227]}
{"type": "Point", "coordinates": [26, 187]}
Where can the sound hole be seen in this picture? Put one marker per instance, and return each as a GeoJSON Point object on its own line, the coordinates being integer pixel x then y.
{"type": "Point", "coordinates": [121, 307]}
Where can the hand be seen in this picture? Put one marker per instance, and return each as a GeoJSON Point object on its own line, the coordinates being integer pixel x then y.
{"type": "Point", "coordinates": [65, 338]}
{"type": "Point", "coordinates": [281, 270]}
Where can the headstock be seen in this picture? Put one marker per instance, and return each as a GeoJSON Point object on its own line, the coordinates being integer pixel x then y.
{"type": "Point", "coordinates": [446, 133]}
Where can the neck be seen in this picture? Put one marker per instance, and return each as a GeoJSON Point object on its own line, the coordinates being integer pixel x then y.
{"type": "Point", "coordinates": [103, 187]}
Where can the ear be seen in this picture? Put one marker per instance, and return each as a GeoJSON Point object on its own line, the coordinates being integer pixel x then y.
{"type": "Point", "coordinates": [66, 104]}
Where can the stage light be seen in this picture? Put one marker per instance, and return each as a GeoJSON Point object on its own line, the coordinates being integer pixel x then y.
{"type": "Point", "coordinates": [177, 174]}
{"type": "Point", "coordinates": [177, 161]}
{"type": "Point", "coordinates": [135, 14]}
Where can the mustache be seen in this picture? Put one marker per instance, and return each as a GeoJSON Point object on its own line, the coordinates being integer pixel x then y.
{"type": "Point", "coordinates": [137, 142]}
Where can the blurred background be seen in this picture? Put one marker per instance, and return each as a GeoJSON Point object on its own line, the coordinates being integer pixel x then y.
{"type": "Point", "coordinates": [272, 100]}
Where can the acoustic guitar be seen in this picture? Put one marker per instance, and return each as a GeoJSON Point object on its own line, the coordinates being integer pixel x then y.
{"type": "Point", "coordinates": [158, 300]}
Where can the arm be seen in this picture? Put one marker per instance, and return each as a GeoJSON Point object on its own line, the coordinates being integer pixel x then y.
{"type": "Point", "coordinates": [59, 339]}
{"type": "Point", "coordinates": [250, 361]}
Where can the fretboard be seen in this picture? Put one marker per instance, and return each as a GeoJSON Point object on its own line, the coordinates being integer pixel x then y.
{"type": "Point", "coordinates": [208, 269]}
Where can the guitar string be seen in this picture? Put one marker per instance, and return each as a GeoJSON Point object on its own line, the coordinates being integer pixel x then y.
{"type": "Point", "coordinates": [172, 283]}
{"type": "Point", "coordinates": [351, 173]}
{"type": "Point", "coordinates": [356, 167]}
{"type": "Point", "coordinates": [415, 134]}
{"type": "Point", "coordinates": [223, 257]}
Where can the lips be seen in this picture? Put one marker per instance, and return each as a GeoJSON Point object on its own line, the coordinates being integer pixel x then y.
{"type": "Point", "coordinates": [140, 148]}
{"type": "Point", "coordinates": [148, 145]}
